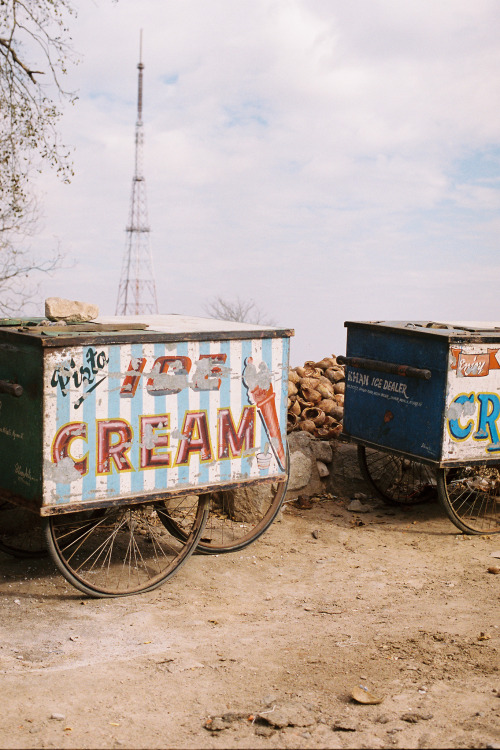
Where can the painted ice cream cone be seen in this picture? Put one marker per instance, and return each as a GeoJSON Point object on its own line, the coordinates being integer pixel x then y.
{"type": "Point", "coordinates": [261, 393]}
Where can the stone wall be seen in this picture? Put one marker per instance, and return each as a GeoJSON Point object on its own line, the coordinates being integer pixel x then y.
{"type": "Point", "coordinates": [319, 466]}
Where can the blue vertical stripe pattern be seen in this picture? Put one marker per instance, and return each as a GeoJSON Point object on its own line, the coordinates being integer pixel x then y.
{"type": "Point", "coordinates": [285, 353]}
{"type": "Point", "coordinates": [135, 413]}
{"type": "Point", "coordinates": [113, 479]}
{"type": "Point", "coordinates": [225, 400]}
{"type": "Point", "coordinates": [161, 476]}
{"type": "Point", "coordinates": [182, 407]}
{"type": "Point", "coordinates": [63, 417]}
{"type": "Point", "coordinates": [105, 402]}
{"type": "Point", "coordinates": [87, 413]}
{"type": "Point", "coordinates": [204, 406]}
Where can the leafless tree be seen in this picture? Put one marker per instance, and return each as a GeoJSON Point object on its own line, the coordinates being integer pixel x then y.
{"type": "Point", "coordinates": [34, 51]}
{"type": "Point", "coordinates": [242, 311]}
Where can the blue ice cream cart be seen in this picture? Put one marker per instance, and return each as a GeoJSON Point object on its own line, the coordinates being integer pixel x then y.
{"type": "Point", "coordinates": [422, 401]}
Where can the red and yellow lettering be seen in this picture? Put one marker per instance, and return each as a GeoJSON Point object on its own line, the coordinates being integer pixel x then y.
{"type": "Point", "coordinates": [195, 438]}
{"type": "Point", "coordinates": [231, 442]}
{"type": "Point", "coordinates": [62, 443]}
{"type": "Point", "coordinates": [154, 436]}
{"type": "Point", "coordinates": [161, 384]}
{"type": "Point", "coordinates": [109, 449]}
{"type": "Point", "coordinates": [130, 382]}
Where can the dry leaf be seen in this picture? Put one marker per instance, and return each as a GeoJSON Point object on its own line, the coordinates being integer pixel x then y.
{"type": "Point", "coordinates": [362, 695]}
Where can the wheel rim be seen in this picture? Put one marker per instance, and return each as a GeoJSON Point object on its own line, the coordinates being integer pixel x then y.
{"type": "Point", "coordinates": [236, 518]}
{"type": "Point", "coordinates": [119, 551]}
{"type": "Point", "coordinates": [21, 532]}
{"type": "Point", "coordinates": [471, 497]}
{"type": "Point", "coordinates": [396, 479]}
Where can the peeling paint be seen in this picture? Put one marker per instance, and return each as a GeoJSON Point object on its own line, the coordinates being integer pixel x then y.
{"type": "Point", "coordinates": [457, 410]}
{"type": "Point", "coordinates": [62, 472]}
{"type": "Point", "coordinates": [149, 440]}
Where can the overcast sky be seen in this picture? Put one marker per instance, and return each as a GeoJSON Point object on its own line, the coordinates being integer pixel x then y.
{"type": "Point", "coordinates": [330, 159]}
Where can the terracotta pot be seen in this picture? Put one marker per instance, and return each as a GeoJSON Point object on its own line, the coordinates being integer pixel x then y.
{"type": "Point", "coordinates": [308, 383]}
{"type": "Point", "coordinates": [323, 432]}
{"type": "Point", "coordinates": [325, 363]}
{"type": "Point", "coordinates": [335, 374]}
{"type": "Point", "coordinates": [307, 425]}
{"type": "Point", "coordinates": [325, 392]}
{"type": "Point", "coordinates": [315, 415]}
{"type": "Point", "coordinates": [303, 403]}
{"type": "Point", "coordinates": [327, 383]}
{"type": "Point", "coordinates": [335, 431]}
{"type": "Point", "coordinates": [337, 413]}
{"type": "Point", "coordinates": [311, 395]}
{"type": "Point", "coordinates": [327, 404]}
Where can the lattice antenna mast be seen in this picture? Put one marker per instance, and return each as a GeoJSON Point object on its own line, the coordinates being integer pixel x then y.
{"type": "Point", "coordinates": [137, 290]}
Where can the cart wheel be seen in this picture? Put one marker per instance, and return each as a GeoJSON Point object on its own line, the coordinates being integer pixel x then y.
{"type": "Point", "coordinates": [237, 517]}
{"type": "Point", "coordinates": [470, 496]}
{"type": "Point", "coordinates": [397, 480]}
{"type": "Point", "coordinates": [122, 550]}
{"type": "Point", "coordinates": [21, 532]}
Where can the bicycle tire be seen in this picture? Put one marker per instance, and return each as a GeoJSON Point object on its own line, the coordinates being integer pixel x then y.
{"type": "Point", "coordinates": [395, 479]}
{"type": "Point", "coordinates": [470, 496]}
{"type": "Point", "coordinates": [119, 551]}
{"type": "Point", "coordinates": [224, 530]}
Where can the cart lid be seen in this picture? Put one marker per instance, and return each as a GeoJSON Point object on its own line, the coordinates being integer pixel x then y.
{"type": "Point", "coordinates": [470, 330]}
{"type": "Point", "coordinates": [143, 328]}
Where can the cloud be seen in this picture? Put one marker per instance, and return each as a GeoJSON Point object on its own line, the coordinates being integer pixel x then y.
{"type": "Point", "coordinates": [318, 156]}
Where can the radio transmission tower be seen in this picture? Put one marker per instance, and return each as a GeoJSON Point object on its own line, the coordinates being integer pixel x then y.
{"type": "Point", "coordinates": [137, 290]}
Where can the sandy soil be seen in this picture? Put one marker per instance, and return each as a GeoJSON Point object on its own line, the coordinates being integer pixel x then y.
{"type": "Point", "coordinates": [262, 648]}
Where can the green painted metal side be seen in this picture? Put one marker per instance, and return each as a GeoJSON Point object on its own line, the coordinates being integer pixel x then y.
{"type": "Point", "coordinates": [21, 421]}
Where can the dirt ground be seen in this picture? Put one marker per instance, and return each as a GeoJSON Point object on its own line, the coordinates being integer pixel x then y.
{"type": "Point", "coordinates": [262, 648]}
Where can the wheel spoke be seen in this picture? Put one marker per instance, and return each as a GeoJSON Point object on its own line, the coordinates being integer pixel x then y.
{"type": "Point", "coordinates": [120, 551]}
{"type": "Point", "coordinates": [397, 480]}
{"type": "Point", "coordinates": [470, 496]}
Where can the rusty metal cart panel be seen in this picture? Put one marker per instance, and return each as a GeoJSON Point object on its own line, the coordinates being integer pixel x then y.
{"type": "Point", "coordinates": [129, 411]}
{"type": "Point", "coordinates": [428, 393]}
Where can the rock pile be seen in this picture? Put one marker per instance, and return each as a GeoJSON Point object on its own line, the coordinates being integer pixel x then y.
{"type": "Point", "coordinates": [316, 398]}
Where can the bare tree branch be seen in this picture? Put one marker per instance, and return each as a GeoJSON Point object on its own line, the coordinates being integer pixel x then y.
{"type": "Point", "coordinates": [243, 311]}
{"type": "Point", "coordinates": [29, 30]}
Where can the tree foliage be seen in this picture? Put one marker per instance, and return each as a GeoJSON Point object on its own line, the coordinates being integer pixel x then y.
{"type": "Point", "coordinates": [34, 51]}
{"type": "Point", "coordinates": [242, 311]}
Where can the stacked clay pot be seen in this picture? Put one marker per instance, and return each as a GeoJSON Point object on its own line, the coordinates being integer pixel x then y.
{"type": "Point", "coordinates": [316, 398]}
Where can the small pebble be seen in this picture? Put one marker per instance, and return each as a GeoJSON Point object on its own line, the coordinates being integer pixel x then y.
{"type": "Point", "coordinates": [57, 717]}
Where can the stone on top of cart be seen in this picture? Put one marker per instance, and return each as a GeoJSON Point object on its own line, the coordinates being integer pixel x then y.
{"type": "Point", "coordinates": [70, 311]}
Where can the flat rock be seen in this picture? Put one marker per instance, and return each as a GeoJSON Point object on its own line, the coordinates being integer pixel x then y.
{"type": "Point", "coordinates": [300, 470]}
{"type": "Point", "coordinates": [322, 469]}
{"type": "Point", "coordinates": [70, 311]}
{"type": "Point", "coordinates": [356, 507]}
{"type": "Point", "coordinates": [288, 716]}
{"type": "Point", "coordinates": [322, 451]}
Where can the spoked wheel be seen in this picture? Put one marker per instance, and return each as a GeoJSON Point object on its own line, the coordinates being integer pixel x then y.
{"type": "Point", "coordinates": [21, 532]}
{"type": "Point", "coordinates": [122, 550]}
{"type": "Point", "coordinates": [236, 519]}
{"type": "Point", "coordinates": [470, 496]}
{"type": "Point", "coordinates": [395, 479]}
